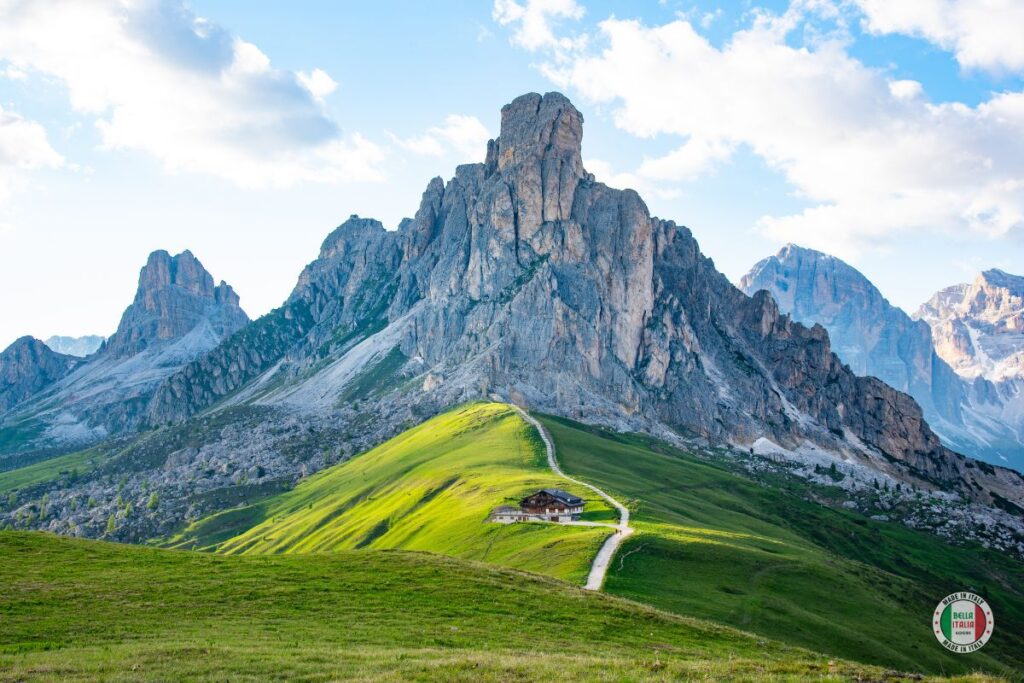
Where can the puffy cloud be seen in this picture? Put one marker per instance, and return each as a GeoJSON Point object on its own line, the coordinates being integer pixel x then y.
{"type": "Point", "coordinates": [983, 34]}
{"type": "Point", "coordinates": [157, 78]}
{"type": "Point", "coordinates": [23, 147]}
{"type": "Point", "coordinates": [533, 21]}
{"type": "Point", "coordinates": [318, 83]}
{"type": "Point", "coordinates": [873, 157]}
{"type": "Point", "coordinates": [466, 136]}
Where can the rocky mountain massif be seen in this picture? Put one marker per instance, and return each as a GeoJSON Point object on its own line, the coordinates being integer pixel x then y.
{"type": "Point", "coordinates": [525, 278]}
{"type": "Point", "coordinates": [969, 411]}
{"type": "Point", "coordinates": [60, 401]}
{"type": "Point", "coordinates": [979, 326]}
{"type": "Point", "coordinates": [26, 367]}
{"type": "Point", "coordinates": [979, 330]}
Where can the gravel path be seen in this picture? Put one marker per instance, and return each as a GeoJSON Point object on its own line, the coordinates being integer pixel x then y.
{"type": "Point", "coordinates": [599, 568]}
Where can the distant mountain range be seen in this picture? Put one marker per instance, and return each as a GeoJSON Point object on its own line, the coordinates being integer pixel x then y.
{"type": "Point", "coordinates": [961, 355]}
{"type": "Point", "coordinates": [64, 401]}
{"type": "Point", "coordinates": [75, 346]}
{"type": "Point", "coordinates": [522, 278]}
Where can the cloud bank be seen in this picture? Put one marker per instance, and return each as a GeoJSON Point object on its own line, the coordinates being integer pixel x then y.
{"type": "Point", "coordinates": [872, 156]}
{"type": "Point", "coordinates": [159, 79]}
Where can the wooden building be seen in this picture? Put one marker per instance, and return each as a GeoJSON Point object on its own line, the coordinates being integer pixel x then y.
{"type": "Point", "coordinates": [546, 505]}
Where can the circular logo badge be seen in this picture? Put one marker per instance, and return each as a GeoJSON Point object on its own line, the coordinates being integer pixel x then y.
{"type": "Point", "coordinates": [963, 622]}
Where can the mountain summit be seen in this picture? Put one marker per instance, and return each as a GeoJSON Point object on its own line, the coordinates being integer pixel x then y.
{"type": "Point", "coordinates": [879, 339]}
{"type": "Point", "coordinates": [175, 295]}
{"type": "Point", "coordinates": [524, 277]}
{"type": "Point", "coordinates": [176, 316]}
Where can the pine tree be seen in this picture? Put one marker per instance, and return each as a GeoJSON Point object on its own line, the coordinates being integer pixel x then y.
{"type": "Point", "coordinates": [154, 500]}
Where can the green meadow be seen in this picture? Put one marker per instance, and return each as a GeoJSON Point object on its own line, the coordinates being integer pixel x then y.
{"type": "Point", "coordinates": [431, 488]}
{"type": "Point", "coordinates": [76, 610]}
{"type": "Point", "coordinates": [70, 465]}
{"type": "Point", "coordinates": [385, 568]}
{"type": "Point", "coordinates": [719, 546]}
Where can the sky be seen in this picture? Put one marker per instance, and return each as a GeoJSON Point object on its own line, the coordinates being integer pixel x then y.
{"type": "Point", "coordinates": [888, 134]}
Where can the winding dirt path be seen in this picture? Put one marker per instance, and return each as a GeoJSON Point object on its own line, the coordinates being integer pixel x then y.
{"type": "Point", "coordinates": [599, 568]}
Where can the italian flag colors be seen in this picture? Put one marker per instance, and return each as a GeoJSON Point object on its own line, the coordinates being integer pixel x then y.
{"type": "Point", "coordinates": [963, 622]}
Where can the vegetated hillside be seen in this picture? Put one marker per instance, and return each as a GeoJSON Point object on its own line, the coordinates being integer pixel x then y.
{"type": "Point", "coordinates": [715, 545]}
{"type": "Point", "coordinates": [77, 610]}
{"type": "Point", "coordinates": [430, 488]}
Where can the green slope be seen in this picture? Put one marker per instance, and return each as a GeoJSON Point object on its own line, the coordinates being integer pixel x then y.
{"type": "Point", "coordinates": [70, 466]}
{"type": "Point", "coordinates": [711, 543]}
{"type": "Point", "coordinates": [716, 545]}
{"type": "Point", "coordinates": [431, 488]}
{"type": "Point", "coordinates": [74, 610]}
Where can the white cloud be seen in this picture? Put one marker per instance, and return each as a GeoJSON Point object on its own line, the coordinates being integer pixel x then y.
{"type": "Point", "coordinates": [13, 74]}
{"type": "Point", "coordinates": [905, 89]}
{"type": "Point", "coordinates": [161, 80]}
{"type": "Point", "coordinates": [873, 157]}
{"type": "Point", "coordinates": [466, 136]}
{"type": "Point", "coordinates": [23, 147]}
{"type": "Point", "coordinates": [318, 83]}
{"type": "Point", "coordinates": [983, 34]}
{"type": "Point", "coordinates": [533, 21]}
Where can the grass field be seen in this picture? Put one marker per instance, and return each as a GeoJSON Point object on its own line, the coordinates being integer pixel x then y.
{"type": "Point", "coordinates": [69, 465]}
{"type": "Point", "coordinates": [431, 488]}
{"type": "Point", "coordinates": [715, 545]}
{"type": "Point", "coordinates": [75, 610]}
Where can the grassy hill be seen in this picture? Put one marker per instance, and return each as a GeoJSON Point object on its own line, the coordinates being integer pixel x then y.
{"type": "Point", "coordinates": [711, 543]}
{"type": "Point", "coordinates": [430, 488]}
{"type": "Point", "coordinates": [715, 545]}
{"type": "Point", "coordinates": [74, 610]}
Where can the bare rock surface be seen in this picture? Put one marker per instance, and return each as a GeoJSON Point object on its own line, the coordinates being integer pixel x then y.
{"type": "Point", "coordinates": [878, 339]}
{"type": "Point", "coordinates": [26, 367]}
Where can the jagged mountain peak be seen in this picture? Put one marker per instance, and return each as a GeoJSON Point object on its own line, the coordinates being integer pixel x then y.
{"type": "Point", "coordinates": [27, 366]}
{"type": "Point", "coordinates": [806, 282]}
{"type": "Point", "coordinates": [525, 277]}
{"type": "Point", "coordinates": [352, 231]}
{"type": "Point", "coordinates": [876, 338]}
{"type": "Point", "coordinates": [537, 127]}
{"type": "Point", "coordinates": [174, 295]}
{"type": "Point", "coordinates": [1000, 278]}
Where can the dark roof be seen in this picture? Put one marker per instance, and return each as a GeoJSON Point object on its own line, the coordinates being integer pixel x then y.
{"type": "Point", "coordinates": [564, 496]}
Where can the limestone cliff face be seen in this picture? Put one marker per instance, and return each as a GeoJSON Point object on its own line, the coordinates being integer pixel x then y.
{"type": "Point", "coordinates": [26, 367]}
{"type": "Point", "coordinates": [868, 333]}
{"type": "Point", "coordinates": [875, 338]}
{"type": "Point", "coordinates": [979, 327]}
{"type": "Point", "coordinates": [177, 315]}
{"type": "Point", "coordinates": [175, 295]}
{"type": "Point", "coordinates": [524, 276]}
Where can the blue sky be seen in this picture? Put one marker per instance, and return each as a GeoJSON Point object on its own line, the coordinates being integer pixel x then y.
{"type": "Point", "coordinates": [890, 134]}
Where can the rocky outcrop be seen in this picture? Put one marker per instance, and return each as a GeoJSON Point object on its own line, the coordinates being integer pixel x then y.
{"type": "Point", "coordinates": [27, 367]}
{"type": "Point", "coordinates": [525, 277]}
{"type": "Point", "coordinates": [175, 295]}
{"type": "Point", "coordinates": [878, 339]}
{"type": "Point", "coordinates": [979, 327]}
{"type": "Point", "coordinates": [869, 334]}
{"type": "Point", "coordinates": [75, 346]}
{"type": "Point", "coordinates": [177, 315]}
